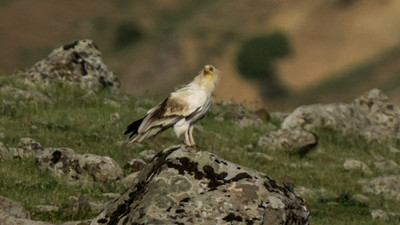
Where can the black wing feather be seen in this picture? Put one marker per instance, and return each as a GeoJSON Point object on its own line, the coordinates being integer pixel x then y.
{"type": "Point", "coordinates": [133, 127]}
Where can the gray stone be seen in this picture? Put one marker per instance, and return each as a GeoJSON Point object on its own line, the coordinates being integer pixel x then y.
{"type": "Point", "coordinates": [261, 156]}
{"type": "Point", "coordinates": [305, 192]}
{"type": "Point", "coordinates": [2, 135]}
{"type": "Point", "coordinates": [47, 208]}
{"type": "Point", "coordinates": [6, 219]}
{"type": "Point", "coordinates": [353, 164]}
{"type": "Point", "coordinates": [65, 162]}
{"type": "Point", "coordinates": [385, 165]}
{"type": "Point", "coordinates": [388, 186]}
{"type": "Point", "coordinates": [136, 165]}
{"type": "Point", "coordinates": [13, 209]}
{"type": "Point", "coordinates": [29, 146]}
{"type": "Point", "coordinates": [188, 186]}
{"type": "Point", "coordinates": [289, 140]}
{"type": "Point", "coordinates": [4, 153]}
{"type": "Point", "coordinates": [28, 96]}
{"type": "Point", "coordinates": [76, 62]}
{"type": "Point", "coordinates": [115, 117]}
{"type": "Point", "coordinates": [371, 115]}
{"type": "Point", "coordinates": [383, 215]}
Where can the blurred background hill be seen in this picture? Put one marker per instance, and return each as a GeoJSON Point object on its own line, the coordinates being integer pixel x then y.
{"type": "Point", "coordinates": [334, 49]}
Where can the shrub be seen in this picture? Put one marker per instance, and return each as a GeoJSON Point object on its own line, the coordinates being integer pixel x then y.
{"type": "Point", "coordinates": [256, 58]}
{"type": "Point", "coordinates": [127, 34]}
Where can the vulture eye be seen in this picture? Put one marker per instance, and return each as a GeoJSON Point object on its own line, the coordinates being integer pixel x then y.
{"type": "Point", "coordinates": [211, 68]}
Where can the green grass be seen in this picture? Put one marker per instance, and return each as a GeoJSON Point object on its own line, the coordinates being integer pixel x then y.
{"type": "Point", "coordinates": [82, 122]}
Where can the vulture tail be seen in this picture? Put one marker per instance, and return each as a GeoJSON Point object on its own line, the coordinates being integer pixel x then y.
{"type": "Point", "coordinates": [133, 127]}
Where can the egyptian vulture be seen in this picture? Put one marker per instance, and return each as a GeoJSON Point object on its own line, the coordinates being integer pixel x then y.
{"type": "Point", "coordinates": [181, 109]}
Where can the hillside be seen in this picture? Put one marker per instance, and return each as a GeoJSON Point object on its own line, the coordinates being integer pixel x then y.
{"type": "Point", "coordinates": [337, 176]}
{"type": "Point", "coordinates": [177, 37]}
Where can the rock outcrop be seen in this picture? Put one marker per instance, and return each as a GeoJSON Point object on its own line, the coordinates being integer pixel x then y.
{"type": "Point", "coordinates": [65, 162]}
{"type": "Point", "coordinates": [31, 96]}
{"type": "Point", "coordinates": [77, 62]}
{"type": "Point", "coordinates": [371, 115]}
{"type": "Point", "coordinates": [12, 208]}
{"type": "Point", "coordinates": [387, 186]}
{"type": "Point", "coordinates": [290, 140]}
{"type": "Point", "coordinates": [186, 186]}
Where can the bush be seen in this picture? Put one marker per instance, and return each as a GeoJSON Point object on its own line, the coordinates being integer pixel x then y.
{"type": "Point", "coordinates": [256, 58]}
{"type": "Point", "coordinates": [127, 34]}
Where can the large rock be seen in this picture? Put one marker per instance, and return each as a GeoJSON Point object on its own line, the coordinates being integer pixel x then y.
{"type": "Point", "coordinates": [79, 61]}
{"type": "Point", "coordinates": [11, 208]}
{"type": "Point", "coordinates": [65, 162]}
{"type": "Point", "coordinates": [388, 186]}
{"type": "Point", "coordinates": [185, 186]}
{"type": "Point", "coordinates": [354, 164]}
{"type": "Point", "coordinates": [290, 140]}
{"type": "Point", "coordinates": [27, 95]}
{"type": "Point", "coordinates": [371, 115]}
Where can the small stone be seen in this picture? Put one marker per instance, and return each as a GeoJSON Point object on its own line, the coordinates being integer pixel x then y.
{"type": "Point", "coordinates": [361, 198]}
{"type": "Point", "coordinates": [385, 165]}
{"type": "Point", "coordinates": [353, 164]}
{"type": "Point", "coordinates": [115, 117]}
{"type": "Point", "coordinates": [4, 153]}
{"type": "Point", "coordinates": [305, 192]}
{"type": "Point", "coordinates": [30, 146]}
{"type": "Point", "coordinates": [261, 156]}
{"type": "Point", "coordinates": [379, 214]}
{"type": "Point", "coordinates": [47, 208]}
{"type": "Point", "coordinates": [111, 103]}
{"type": "Point", "coordinates": [135, 165]}
{"type": "Point", "coordinates": [392, 149]}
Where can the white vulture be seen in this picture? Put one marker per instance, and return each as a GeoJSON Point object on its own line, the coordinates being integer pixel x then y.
{"type": "Point", "coordinates": [181, 109]}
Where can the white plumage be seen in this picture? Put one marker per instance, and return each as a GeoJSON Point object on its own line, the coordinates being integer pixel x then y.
{"type": "Point", "coordinates": [181, 109]}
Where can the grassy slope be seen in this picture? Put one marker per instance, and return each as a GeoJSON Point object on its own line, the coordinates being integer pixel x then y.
{"type": "Point", "coordinates": [81, 122]}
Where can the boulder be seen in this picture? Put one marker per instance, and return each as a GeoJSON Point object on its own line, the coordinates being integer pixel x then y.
{"type": "Point", "coordinates": [76, 62]}
{"type": "Point", "coordinates": [388, 186]}
{"type": "Point", "coordinates": [27, 95]}
{"type": "Point", "coordinates": [11, 208]}
{"type": "Point", "coordinates": [29, 146]}
{"type": "Point", "coordinates": [290, 140]}
{"type": "Point", "coordinates": [65, 162]}
{"type": "Point", "coordinates": [183, 185]}
{"type": "Point", "coordinates": [371, 115]}
{"type": "Point", "coordinates": [354, 164]}
{"type": "Point", "coordinates": [385, 165]}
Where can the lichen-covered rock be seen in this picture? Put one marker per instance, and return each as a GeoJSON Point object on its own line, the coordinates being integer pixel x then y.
{"type": "Point", "coordinates": [371, 115]}
{"type": "Point", "coordinates": [290, 140]}
{"type": "Point", "coordinates": [65, 162]}
{"type": "Point", "coordinates": [27, 95]}
{"type": "Point", "coordinates": [388, 186]}
{"type": "Point", "coordinates": [186, 186]}
{"type": "Point", "coordinates": [77, 62]}
{"type": "Point", "coordinates": [4, 153]}
{"type": "Point", "coordinates": [385, 165]}
{"type": "Point", "coordinates": [354, 164]}
{"type": "Point", "coordinates": [29, 146]}
{"type": "Point", "coordinates": [7, 219]}
{"type": "Point", "coordinates": [12, 208]}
